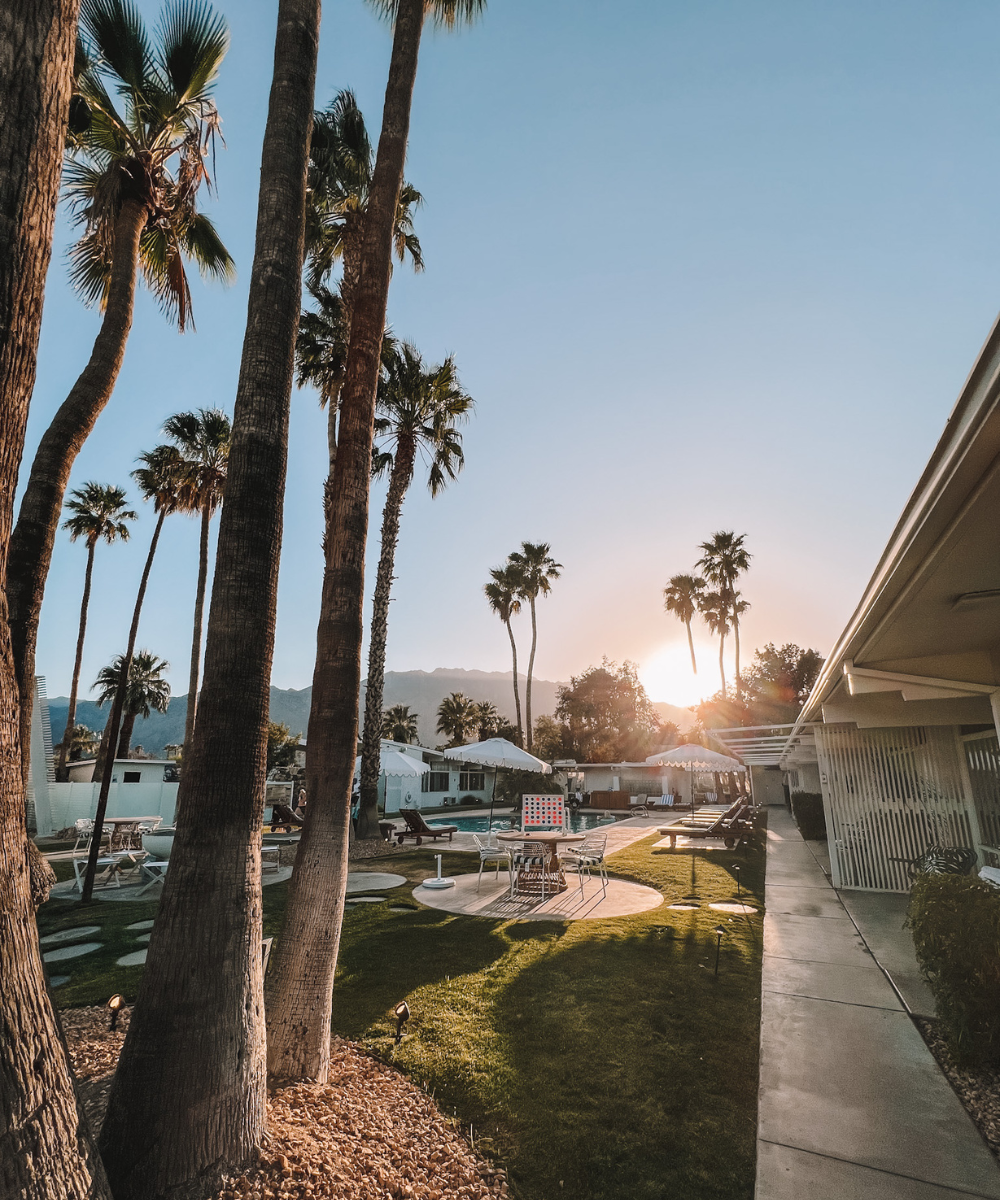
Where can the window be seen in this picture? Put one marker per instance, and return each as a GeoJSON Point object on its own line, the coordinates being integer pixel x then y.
{"type": "Point", "coordinates": [132, 777]}
{"type": "Point", "coordinates": [434, 781]}
{"type": "Point", "coordinates": [472, 781]}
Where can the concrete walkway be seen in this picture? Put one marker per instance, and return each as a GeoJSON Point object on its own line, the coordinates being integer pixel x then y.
{"type": "Point", "coordinates": [852, 1104]}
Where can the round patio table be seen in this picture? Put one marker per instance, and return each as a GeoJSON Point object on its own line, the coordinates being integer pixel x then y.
{"type": "Point", "coordinates": [528, 880]}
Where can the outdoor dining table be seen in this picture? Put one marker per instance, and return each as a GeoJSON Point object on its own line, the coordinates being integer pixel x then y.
{"type": "Point", "coordinates": [551, 839]}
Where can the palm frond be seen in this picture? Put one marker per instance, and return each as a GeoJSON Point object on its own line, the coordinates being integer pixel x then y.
{"type": "Point", "coordinates": [116, 31]}
{"type": "Point", "coordinates": [162, 268]}
{"type": "Point", "coordinates": [194, 42]}
{"type": "Point", "coordinates": [201, 240]}
{"type": "Point", "coordinates": [90, 269]}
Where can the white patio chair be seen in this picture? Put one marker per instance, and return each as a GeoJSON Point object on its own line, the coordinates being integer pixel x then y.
{"type": "Point", "coordinates": [529, 857]}
{"type": "Point", "coordinates": [490, 851]}
{"type": "Point", "coordinates": [588, 855]}
{"type": "Point", "coordinates": [84, 827]}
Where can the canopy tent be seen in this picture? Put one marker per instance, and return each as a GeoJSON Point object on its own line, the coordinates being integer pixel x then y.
{"type": "Point", "coordinates": [691, 757]}
{"type": "Point", "coordinates": [497, 753]}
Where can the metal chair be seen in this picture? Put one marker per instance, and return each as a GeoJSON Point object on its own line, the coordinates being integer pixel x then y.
{"type": "Point", "coordinates": [529, 857]}
{"type": "Point", "coordinates": [588, 855]}
{"type": "Point", "coordinates": [490, 851]}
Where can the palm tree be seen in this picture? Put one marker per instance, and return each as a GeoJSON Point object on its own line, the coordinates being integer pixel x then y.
{"type": "Point", "coordinates": [133, 177]}
{"type": "Point", "coordinates": [680, 597]}
{"type": "Point", "coordinates": [301, 980]}
{"type": "Point", "coordinates": [488, 720]}
{"type": "Point", "coordinates": [399, 724]}
{"type": "Point", "coordinates": [724, 559]}
{"type": "Point", "coordinates": [155, 1137]}
{"type": "Point", "coordinates": [457, 718]}
{"type": "Point", "coordinates": [534, 568]}
{"type": "Point", "coordinates": [82, 743]}
{"type": "Point", "coordinates": [203, 439]}
{"type": "Point", "coordinates": [717, 611]}
{"type": "Point", "coordinates": [98, 513]}
{"type": "Point", "coordinates": [502, 597]}
{"type": "Point", "coordinates": [419, 410]}
{"type": "Point", "coordinates": [145, 690]}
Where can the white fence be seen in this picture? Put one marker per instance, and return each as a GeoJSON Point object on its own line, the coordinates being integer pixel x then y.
{"type": "Point", "coordinates": [64, 803]}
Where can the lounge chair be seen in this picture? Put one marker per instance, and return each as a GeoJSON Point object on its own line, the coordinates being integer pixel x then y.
{"type": "Point", "coordinates": [417, 827]}
{"type": "Point", "coordinates": [729, 827]}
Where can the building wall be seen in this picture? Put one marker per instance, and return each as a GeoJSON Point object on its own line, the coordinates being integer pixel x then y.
{"type": "Point", "coordinates": [70, 801]}
{"type": "Point", "coordinates": [768, 785]}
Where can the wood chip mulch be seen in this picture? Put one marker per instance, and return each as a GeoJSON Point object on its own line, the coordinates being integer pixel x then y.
{"type": "Point", "coordinates": [366, 1134]}
{"type": "Point", "coordinates": [977, 1087]}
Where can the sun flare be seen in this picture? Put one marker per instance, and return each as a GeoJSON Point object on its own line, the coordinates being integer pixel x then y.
{"type": "Point", "coordinates": [666, 673]}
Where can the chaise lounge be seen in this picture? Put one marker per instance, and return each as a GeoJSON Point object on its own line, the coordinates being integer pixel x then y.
{"type": "Point", "coordinates": [729, 827]}
{"type": "Point", "coordinates": [417, 827]}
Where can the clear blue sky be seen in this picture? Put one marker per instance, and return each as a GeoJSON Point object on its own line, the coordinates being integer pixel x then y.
{"type": "Point", "coordinates": [703, 265]}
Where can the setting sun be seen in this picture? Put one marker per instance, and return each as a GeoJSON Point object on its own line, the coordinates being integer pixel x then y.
{"type": "Point", "coordinates": [666, 674]}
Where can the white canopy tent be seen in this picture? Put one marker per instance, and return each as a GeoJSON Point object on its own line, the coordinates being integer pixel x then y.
{"type": "Point", "coordinates": [497, 753]}
{"type": "Point", "coordinates": [399, 768]}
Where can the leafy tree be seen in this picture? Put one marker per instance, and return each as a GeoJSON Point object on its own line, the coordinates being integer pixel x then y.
{"type": "Point", "coordinates": [681, 597]}
{"type": "Point", "coordinates": [419, 411]}
{"type": "Point", "coordinates": [457, 718]}
{"type": "Point", "coordinates": [606, 715]}
{"type": "Point", "coordinates": [98, 513]}
{"type": "Point", "coordinates": [203, 439]}
{"type": "Point", "coordinates": [502, 597]}
{"type": "Point", "coordinates": [156, 1139]}
{"type": "Point", "coordinates": [282, 745]}
{"type": "Point", "coordinates": [534, 569]}
{"type": "Point", "coordinates": [133, 177]}
{"type": "Point", "coordinates": [774, 688]}
{"type": "Point", "coordinates": [145, 691]}
{"type": "Point", "coordinates": [724, 559]}
{"type": "Point", "coordinates": [548, 739]}
{"type": "Point", "coordinates": [512, 785]}
{"type": "Point", "coordinates": [399, 724]}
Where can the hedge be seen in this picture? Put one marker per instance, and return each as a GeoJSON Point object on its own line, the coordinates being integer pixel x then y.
{"type": "Point", "coordinates": [807, 809]}
{"type": "Point", "coordinates": [955, 921]}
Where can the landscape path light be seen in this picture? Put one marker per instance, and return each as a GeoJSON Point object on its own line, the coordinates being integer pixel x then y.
{"type": "Point", "coordinates": [115, 1005]}
{"type": "Point", "coordinates": [719, 931]}
{"type": "Point", "coordinates": [402, 1015]}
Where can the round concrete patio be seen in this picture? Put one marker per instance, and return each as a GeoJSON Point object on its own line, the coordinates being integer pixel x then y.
{"type": "Point", "coordinates": [493, 900]}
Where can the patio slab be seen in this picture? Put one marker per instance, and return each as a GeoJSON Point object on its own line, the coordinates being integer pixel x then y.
{"type": "Point", "coordinates": [493, 900]}
{"type": "Point", "coordinates": [372, 881]}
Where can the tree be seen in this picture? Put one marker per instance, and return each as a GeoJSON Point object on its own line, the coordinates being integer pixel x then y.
{"type": "Point", "coordinates": [502, 597]}
{"type": "Point", "coordinates": [98, 512]}
{"type": "Point", "coordinates": [716, 610]}
{"type": "Point", "coordinates": [534, 569]}
{"type": "Point", "coordinates": [488, 720]}
{"type": "Point", "coordinates": [399, 724]}
{"type": "Point", "coordinates": [606, 715]}
{"type": "Point", "coordinates": [133, 179]}
{"type": "Point", "coordinates": [724, 559]}
{"type": "Point", "coordinates": [282, 745]}
{"type": "Point", "coordinates": [680, 597]}
{"type": "Point", "coordinates": [203, 439]}
{"type": "Point", "coordinates": [774, 688]}
{"type": "Point", "coordinates": [548, 738]}
{"type": "Point", "coordinates": [146, 691]}
{"type": "Point", "coordinates": [301, 980]}
{"type": "Point", "coordinates": [204, 958]}
{"type": "Point", "coordinates": [457, 718]}
{"type": "Point", "coordinates": [81, 743]}
{"type": "Point", "coordinates": [419, 411]}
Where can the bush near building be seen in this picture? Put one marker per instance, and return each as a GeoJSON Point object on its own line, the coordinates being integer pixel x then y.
{"type": "Point", "coordinates": [807, 809]}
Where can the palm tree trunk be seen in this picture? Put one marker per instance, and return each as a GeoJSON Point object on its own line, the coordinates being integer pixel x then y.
{"type": "Point", "coordinates": [736, 646]}
{"type": "Point", "coordinates": [517, 690]}
{"type": "Point", "coordinates": [199, 610]}
{"type": "Point", "coordinates": [47, 1151]}
{"type": "Point", "coordinates": [188, 1102]}
{"type": "Point", "coordinates": [125, 740]}
{"type": "Point", "coordinates": [75, 686]}
{"type": "Point", "coordinates": [301, 981]}
{"type": "Point", "coordinates": [402, 474]}
{"type": "Point", "coordinates": [722, 666]}
{"type": "Point", "coordinates": [694, 665]}
{"type": "Point", "coordinates": [38, 516]}
{"type": "Point", "coordinates": [531, 667]}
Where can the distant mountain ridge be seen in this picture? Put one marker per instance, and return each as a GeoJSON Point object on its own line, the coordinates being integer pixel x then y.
{"type": "Point", "coordinates": [422, 691]}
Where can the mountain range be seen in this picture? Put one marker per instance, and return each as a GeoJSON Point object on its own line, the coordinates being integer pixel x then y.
{"type": "Point", "coordinates": [422, 691]}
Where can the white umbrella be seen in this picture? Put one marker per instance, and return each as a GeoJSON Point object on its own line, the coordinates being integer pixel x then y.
{"type": "Point", "coordinates": [396, 763]}
{"type": "Point", "coordinates": [496, 753]}
{"type": "Point", "coordinates": [695, 758]}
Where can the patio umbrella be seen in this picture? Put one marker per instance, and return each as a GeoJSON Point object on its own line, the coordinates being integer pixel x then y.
{"type": "Point", "coordinates": [692, 757]}
{"type": "Point", "coordinates": [497, 753]}
{"type": "Point", "coordinates": [396, 763]}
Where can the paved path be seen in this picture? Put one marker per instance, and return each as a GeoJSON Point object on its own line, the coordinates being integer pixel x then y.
{"type": "Point", "coordinates": [852, 1104]}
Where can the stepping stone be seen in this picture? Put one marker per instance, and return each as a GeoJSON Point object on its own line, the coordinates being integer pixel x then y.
{"type": "Point", "coordinates": [135, 959]}
{"type": "Point", "coordinates": [733, 908]}
{"type": "Point", "coordinates": [370, 881]}
{"type": "Point", "coordinates": [143, 937]}
{"type": "Point", "coordinates": [58, 980]}
{"type": "Point", "coordinates": [683, 907]}
{"type": "Point", "coordinates": [71, 951]}
{"type": "Point", "coordinates": [140, 925]}
{"type": "Point", "coordinates": [368, 900]}
{"type": "Point", "coordinates": [79, 934]}
{"type": "Point", "coordinates": [400, 908]}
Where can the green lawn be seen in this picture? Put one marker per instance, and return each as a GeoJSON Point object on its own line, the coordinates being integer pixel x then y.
{"type": "Point", "coordinates": [600, 1060]}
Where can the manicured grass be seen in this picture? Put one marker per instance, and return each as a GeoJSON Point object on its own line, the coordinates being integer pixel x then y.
{"type": "Point", "coordinates": [601, 1060]}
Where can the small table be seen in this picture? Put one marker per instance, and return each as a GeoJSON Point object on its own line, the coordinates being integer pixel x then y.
{"type": "Point", "coordinates": [530, 881]}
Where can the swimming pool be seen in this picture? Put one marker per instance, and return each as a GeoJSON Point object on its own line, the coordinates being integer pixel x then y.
{"type": "Point", "coordinates": [579, 822]}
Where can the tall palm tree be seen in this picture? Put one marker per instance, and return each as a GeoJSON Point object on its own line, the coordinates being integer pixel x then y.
{"type": "Point", "coordinates": [502, 597]}
{"type": "Point", "coordinates": [399, 724]}
{"type": "Point", "coordinates": [133, 178]}
{"type": "Point", "coordinates": [456, 718]}
{"type": "Point", "coordinates": [301, 980]}
{"type": "Point", "coordinates": [724, 559]}
{"type": "Point", "coordinates": [155, 1139]}
{"type": "Point", "coordinates": [98, 513]}
{"type": "Point", "coordinates": [48, 1148]}
{"type": "Point", "coordinates": [680, 597]}
{"type": "Point", "coordinates": [419, 411]}
{"type": "Point", "coordinates": [83, 743]}
{"type": "Point", "coordinates": [717, 612]}
{"type": "Point", "coordinates": [145, 690]}
{"type": "Point", "coordinates": [534, 569]}
{"type": "Point", "coordinates": [203, 439]}
{"type": "Point", "coordinates": [488, 720]}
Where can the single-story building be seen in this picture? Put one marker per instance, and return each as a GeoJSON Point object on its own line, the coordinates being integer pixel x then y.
{"type": "Point", "coordinates": [446, 782]}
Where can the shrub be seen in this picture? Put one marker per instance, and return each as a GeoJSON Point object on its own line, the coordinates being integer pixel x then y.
{"type": "Point", "coordinates": [512, 785]}
{"type": "Point", "coordinates": [955, 921]}
{"type": "Point", "coordinates": [807, 809]}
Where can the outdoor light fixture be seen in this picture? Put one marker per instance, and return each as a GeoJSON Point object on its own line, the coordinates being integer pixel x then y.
{"type": "Point", "coordinates": [719, 931]}
{"type": "Point", "coordinates": [115, 1005]}
{"type": "Point", "coordinates": [736, 868]}
{"type": "Point", "coordinates": [402, 1015]}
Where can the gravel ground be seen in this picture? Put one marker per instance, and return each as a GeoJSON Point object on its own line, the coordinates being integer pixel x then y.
{"type": "Point", "coordinates": [977, 1088]}
{"type": "Point", "coordinates": [367, 1134]}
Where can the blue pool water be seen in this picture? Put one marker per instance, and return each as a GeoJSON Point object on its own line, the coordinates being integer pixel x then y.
{"type": "Point", "coordinates": [579, 822]}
